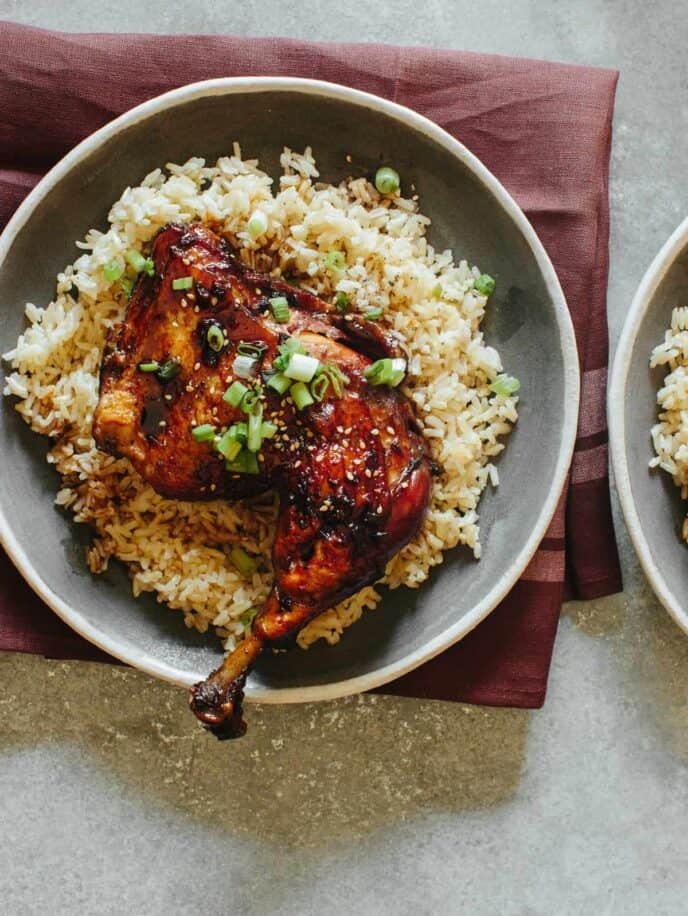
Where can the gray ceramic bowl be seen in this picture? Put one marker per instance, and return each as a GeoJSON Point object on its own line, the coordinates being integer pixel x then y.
{"type": "Point", "coordinates": [471, 213]}
{"type": "Point", "coordinates": [652, 506]}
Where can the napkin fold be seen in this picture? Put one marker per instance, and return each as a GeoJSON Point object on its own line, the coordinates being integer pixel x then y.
{"type": "Point", "coordinates": [544, 129]}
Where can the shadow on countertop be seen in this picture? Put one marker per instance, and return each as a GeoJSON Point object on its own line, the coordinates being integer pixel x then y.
{"type": "Point", "coordinates": [304, 776]}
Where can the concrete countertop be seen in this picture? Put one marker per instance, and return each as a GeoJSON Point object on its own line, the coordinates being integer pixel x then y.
{"type": "Point", "coordinates": [113, 801]}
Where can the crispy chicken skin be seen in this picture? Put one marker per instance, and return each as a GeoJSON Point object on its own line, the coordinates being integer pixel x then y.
{"type": "Point", "coordinates": [352, 472]}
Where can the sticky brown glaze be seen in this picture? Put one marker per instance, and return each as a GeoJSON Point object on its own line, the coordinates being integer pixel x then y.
{"type": "Point", "coordinates": [352, 472]}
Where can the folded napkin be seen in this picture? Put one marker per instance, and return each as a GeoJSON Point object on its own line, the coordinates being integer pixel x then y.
{"type": "Point", "coordinates": [543, 129]}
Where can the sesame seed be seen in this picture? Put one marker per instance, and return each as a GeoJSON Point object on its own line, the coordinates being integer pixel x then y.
{"type": "Point", "coordinates": [348, 430]}
{"type": "Point", "coordinates": [368, 473]}
{"type": "Point", "coordinates": [404, 485]}
{"type": "Point", "coordinates": [297, 464]}
{"type": "Point", "coordinates": [196, 309]}
{"type": "Point", "coordinates": [213, 300]}
{"type": "Point", "coordinates": [391, 430]}
{"type": "Point", "coordinates": [345, 443]}
{"type": "Point", "coordinates": [361, 443]}
{"type": "Point", "coordinates": [168, 397]}
{"type": "Point", "coordinates": [259, 292]}
{"type": "Point", "coordinates": [375, 431]}
{"type": "Point", "coordinates": [197, 366]}
{"type": "Point", "coordinates": [191, 296]}
{"type": "Point", "coordinates": [194, 422]}
{"type": "Point", "coordinates": [213, 487]}
{"type": "Point", "coordinates": [186, 261]}
{"type": "Point", "coordinates": [162, 423]}
{"type": "Point", "coordinates": [348, 157]}
{"type": "Point", "coordinates": [379, 510]}
{"type": "Point", "coordinates": [184, 304]}
{"type": "Point", "coordinates": [350, 476]}
{"type": "Point", "coordinates": [323, 508]}
{"type": "Point", "coordinates": [340, 429]}
{"type": "Point", "coordinates": [320, 457]}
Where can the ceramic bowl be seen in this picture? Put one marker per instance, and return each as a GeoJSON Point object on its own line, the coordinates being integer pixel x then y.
{"type": "Point", "coordinates": [471, 213]}
{"type": "Point", "coordinates": [651, 503]}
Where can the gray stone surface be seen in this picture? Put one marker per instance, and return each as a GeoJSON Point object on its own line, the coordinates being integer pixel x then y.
{"type": "Point", "coordinates": [111, 800]}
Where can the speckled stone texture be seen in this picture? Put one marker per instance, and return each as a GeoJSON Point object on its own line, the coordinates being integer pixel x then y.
{"type": "Point", "coordinates": [112, 800]}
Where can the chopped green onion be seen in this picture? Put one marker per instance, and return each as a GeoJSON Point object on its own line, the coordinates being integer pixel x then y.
{"type": "Point", "coordinates": [319, 386]}
{"type": "Point", "coordinates": [203, 433]}
{"type": "Point", "coordinates": [247, 618]}
{"type": "Point", "coordinates": [136, 260]}
{"type": "Point", "coordinates": [387, 180]}
{"type": "Point", "coordinates": [228, 445]}
{"type": "Point", "coordinates": [239, 431]}
{"type": "Point", "coordinates": [151, 366]}
{"type": "Point", "coordinates": [268, 430]}
{"type": "Point", "coordinates": [437, 291]}
{"type": "Point", "coordinates": [215, 338]}
{"type": "Point", "coordinates": [386, 372]}
{"type": "Point", "coordinates": [341, 301]}
{"type": "Point", "coordinates": [243, 366]}
{"type": "Point", "coordinates": [287, 349]}
{"type": "Point", "coordinates": [244, 463]}
{"type": "Point", "coordinates": [254, 439]}
{"type": "Point", "coordinates": [301, 395]}
{"type": "Point", "coordinates": [149, 267]}
{"type": "Point", "coordinates": [234, 394]}
{"type": "Point", "coordinates": [182, 283]}
{"type": "Point", "coordinates": [280, 309]}
{"type": "Point", "coordinates": [302, 368]}
{"type": "Point", "coordinates": [373, 314]}
{"type": "Point", "coordinates": [243, 562]}
{"type": "Point", "coordinates": [257, 224]}
{"type": "Point", "coordinates": [112, 271]}
{"type": "Point", "coordinates": [127, 285]}
{"type": "Point", "coordinates": [336, 377]}
{"type": "Point", "coordinates": [485, 284]}
{"type": "Point", "coordinates": [505, 385]}
{"type": "Point", "coordinates": [255, 351]}
{"type": "Point", "coordinates": [169, 370]}
{"type": "Point", "coordinates": [278, 382]}
{"type": "Point", "coordinates": [251, 400]}
{"type": "Point", "coordinates": [335, 260]}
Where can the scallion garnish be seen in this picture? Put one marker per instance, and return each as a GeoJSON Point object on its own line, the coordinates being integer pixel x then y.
{"type": "Point", "coordinates": [169, 370]}
{"type": "Point", "coordinates": [244, 463]}
{"type": "Point", "coordinates": [278, 382]}
{"type": "Point", "coordinates": [247, 618]}
{"type": "Point", "coordinates": [268, 430]}
{"type": "Point", "coordinates": [387, 180]}
{"type": "Point", "coordinates": [302, 368]}
{"type": "Point", "coordinates": [373, 314]}
{"type": "Point", "coordinates": [244, 366]}
{"type": "Point", "coordinates": [215, 338]}
{"type": "Point", "coordinates": [257, 224]}
{"type": "Point", "coordinates": [243, 562]}
{"type": "Point", "coordinates": [301, 395]}
{"type": "Point", "coordinates": [437, 291]}
{"type": "Point", "coordinates": [280, 309]}
{"type": "Point", "coordinates": [485, 284]}
{"type": "Point", "coordinates": [127, 285]}
{"type": "Point", "coordinates": [338, 378]}
{"type": "Point", "coordinates": [255, 351]}
{"type": "Point", "coordinates": [234, 394]}
{"type": "Point", "coordinates": [229, 445]}
{"type": "Point", "coordinates": [203, 433]}
{"type": "Point", "coordinates": [151, 366]}
{"type": "Point", "coordinates": [112, 271]}
{"type": "Point", "coordinates": [251, 400]}
{"type": "Point", "coordinates": [386, 372]}
{"type": "Point", "coordinates": [319, 387]}
{"type": "Point", "coordinates": [136, 260]}
{"type": "Point", "coordinates": [341, 301]}
{"type": "Point", "coordinates": [505, 385]}
{"type": "Point", "coordinates": [182, 283]}
{"type": "Point", "coordinates": [335, 260]}
{"type": "Point", "coordinates": [254, 440]}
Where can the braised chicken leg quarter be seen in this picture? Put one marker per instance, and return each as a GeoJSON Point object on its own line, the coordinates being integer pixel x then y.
{"type": "Point", "coordinates": [222, 383]}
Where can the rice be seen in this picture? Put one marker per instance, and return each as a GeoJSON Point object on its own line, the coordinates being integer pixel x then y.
{"type": "Point", "coordinates": [179, 550]}
{"type": "Point", "coordinates": [670, 434]}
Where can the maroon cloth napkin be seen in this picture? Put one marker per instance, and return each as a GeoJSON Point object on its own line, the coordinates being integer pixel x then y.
{"type": "Point", "coordinates": [543, 129]}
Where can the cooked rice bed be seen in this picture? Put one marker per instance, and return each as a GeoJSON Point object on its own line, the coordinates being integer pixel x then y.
{"type": "Point", "coordinates": [179, 550]}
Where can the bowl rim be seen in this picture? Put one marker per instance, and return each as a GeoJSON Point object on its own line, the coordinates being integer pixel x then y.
{"type": "Point", "coordinates": [376, 678]}
{"type": "Point", "coordinates": [640, 306]}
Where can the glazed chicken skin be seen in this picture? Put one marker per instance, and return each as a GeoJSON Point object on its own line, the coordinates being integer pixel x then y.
{"type": "Point", "coordinates": [351, 470]}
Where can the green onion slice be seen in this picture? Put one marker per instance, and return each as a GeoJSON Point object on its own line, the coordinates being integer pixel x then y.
{"type": "Point", "coordinates": [485, 284]}
{"type": "Point", "coordinates": [319, 386]}
{"type": "Point", "coordinates": [247, 618]}
{"type": "Point", "coordinates": [254, 440]}
{"type": "Point", "coordinates": [337, 378]}
{"type": "Point", "coordinates": [215, 337]}
{"type": "Point", "coordinates": [243, 366]}
{"type": "Point", "coordinates": [112, 271]}
{"type": "Point", "coordinates": [127, 285]}
{"type": "Point", "coordinates": [257, 224]}
{"type": "Point", "coordinates": [244, 563]}
{"type": "Point", "coordinates": [301, 395]}
{"type": "Point", "coordinates": [373, 314]}
{"type": "Point", "coordinates": [203, 433]}
{"type": "Point", "coordinates": [244, 463]}
{"type": "Point", "coordinates": [280, 309]}
{"type": "Point", "coordinates": [437, 291]}
{"type": "Point", "coordinates": [255, 351]}
{"type": "Point", "coordinates": [136, 260]}
{"type": "Point", "coordinates": [151, 366]}
{"type": "Point", "coordinates": [341, 301]}
{"type": "Point", "coordinates": [387, 180]}
{"type": "Point", "coordinates": [182, 283]}
{"type": "Point", "coordinates": [278, 382]}
{"type": "Point", "coordinates": [335, 260]}
{"type": "Point", "coordinates": [268, 430]}
{"type": "Point", "coordinates": [302, 368]}
{"type": "Point", "coordinates": [505, 385]}
{"type": "Point", "coordinates": [234, 394]}
{"type": "Point", "coordinates": [228, 445]}
{"type": "Point", "coordinates": [251, 401]}
{"type": "Point", "coordinates": [388, 372]}
{"type": "Point", "coordinates": [169, 370]}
